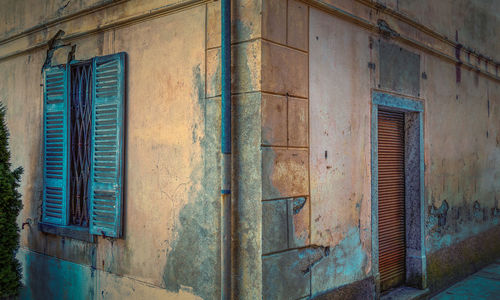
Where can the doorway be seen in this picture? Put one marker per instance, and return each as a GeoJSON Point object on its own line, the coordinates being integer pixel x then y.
{"type": "Point", "coordinates": [398, 251]}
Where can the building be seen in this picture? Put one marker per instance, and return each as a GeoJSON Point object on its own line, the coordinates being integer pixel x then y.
{"type": "Point", "coordinates": [365, 145]}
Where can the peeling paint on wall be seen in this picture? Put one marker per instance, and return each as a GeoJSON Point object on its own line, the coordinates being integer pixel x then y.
{"type": "Point", "coordinates": [345, 264]}
{"type": "Point", "coordinates": [447, 225]}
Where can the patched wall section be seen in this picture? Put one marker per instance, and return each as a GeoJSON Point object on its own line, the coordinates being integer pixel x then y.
{"type": "Point", "coordinates": [399, 69]}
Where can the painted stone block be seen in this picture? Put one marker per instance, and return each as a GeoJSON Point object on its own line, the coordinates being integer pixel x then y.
{"type": "Point", "coordinates": [284, 173]}
{"type": "Point", "coordinates": [298, 122]}
{"type": "Point", "coordinates": [274, 226]}
{"type": "Point", "coordinates": [213, 25]}
{"type": "Point", "coordinates": [285, 70]}
{"type": "Point", "coordinates": [246, 20]}
{"type": "Point", "coordinates": [285, 275]}
{"type": "Point", "coordinates": [298, 17]}
{"type": "Point", "coordinates": [274, 125]}
{"type": "Point", "coordinates": [244, 64]}
{"type": "Point", "coordinates": [298, 222]}
{"type": "Point", "coordinates": [274, 20]}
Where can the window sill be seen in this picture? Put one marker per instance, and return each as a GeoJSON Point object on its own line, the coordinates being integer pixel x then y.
{"type": "Point", "coordinates": [74, 232]}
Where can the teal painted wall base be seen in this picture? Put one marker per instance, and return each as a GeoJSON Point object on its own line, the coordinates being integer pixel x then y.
{"type": "Point", "coordinates": [47, 277]}
{"type": "Point", "coordinates": [453, 263]}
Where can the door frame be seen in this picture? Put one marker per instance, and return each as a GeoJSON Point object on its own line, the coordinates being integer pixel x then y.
{"type": "Point", "coordinates": [414, 186]}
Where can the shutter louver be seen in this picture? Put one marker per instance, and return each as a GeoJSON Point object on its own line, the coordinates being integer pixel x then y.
{"type": "Point", "coordinates": [391, 199]}
{"type": "Point", "coordinates": [55, 146]}
{"type": "Point", "coordinates": [106, 171]}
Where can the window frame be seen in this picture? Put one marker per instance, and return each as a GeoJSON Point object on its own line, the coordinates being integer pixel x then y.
{"type": "Point", "coordinates": [119, 97]}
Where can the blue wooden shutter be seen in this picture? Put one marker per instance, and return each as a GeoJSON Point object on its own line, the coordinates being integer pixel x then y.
{"type": "Point", "coordinates": [106, 173]}
{"type": "Point", "coordinates": [55, 146]}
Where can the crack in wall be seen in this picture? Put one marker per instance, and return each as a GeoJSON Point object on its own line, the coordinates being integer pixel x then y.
{"type": "Point", "coordinates": [54, 43]}
{"type": "Point", "coordinates": [60, 10]}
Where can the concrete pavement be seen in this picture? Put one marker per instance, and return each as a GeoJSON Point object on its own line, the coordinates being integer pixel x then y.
{"type": "Point", "coordinates": [484, 284]}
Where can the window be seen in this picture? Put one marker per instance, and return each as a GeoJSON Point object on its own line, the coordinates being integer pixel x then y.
{"type": "Point", "coordinates": [80, 134]}
{"type": "Point", "coordinates": [83, 145]}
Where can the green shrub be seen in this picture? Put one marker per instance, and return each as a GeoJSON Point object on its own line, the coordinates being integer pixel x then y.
{"type": "Point", "coordinates": [10, 206]}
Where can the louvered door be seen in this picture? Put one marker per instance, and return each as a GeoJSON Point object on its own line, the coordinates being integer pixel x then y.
{"type": "Point", "coordinates": [55, 162]}
{"type": "Point", "coordinates": [391, 198]}
{"type": "Point", "coordinates": [107, 145]}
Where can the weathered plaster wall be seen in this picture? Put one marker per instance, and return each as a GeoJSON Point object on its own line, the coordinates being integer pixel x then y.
{"type": "Point", "coordinates": [171, 208]}
{"type": "Point", "coordinates": [462, 153]}
{"type": "Point", "coordinates": [171, 215]}
{"type": "Point", "coordinates": [461, 147]}
{"type": "Point", "coordinates": [475, 22]}
{"type": "Point", "coordinates": [172, 169]}
{"type": "Point", "coordinates": [460, 126]}
{"type": "Point", "coordinates": [83, 20]}
{"type": "Point", "coordinates": [19, 16]}
{"type": "Point", "coordinates": [430, 27]}
{"type": "Point", "coordinates": [302, 81]}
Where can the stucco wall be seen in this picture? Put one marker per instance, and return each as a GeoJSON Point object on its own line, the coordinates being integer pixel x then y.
{"type": "Point", "coordinates": [460, 140]}
{"type": "Point", "coordinates": [354, 48]}
{"type": "Point", "coordinates": [472, 22]}
{"type": "Point", "coordinates": [462, 135]}
{"type": "Point", "coordinates": [171, 208]}
{"type": "Point", "coordinates": [19, 16]}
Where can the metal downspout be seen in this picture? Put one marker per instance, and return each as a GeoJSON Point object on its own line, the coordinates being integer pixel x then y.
{"type": "Point", "coordinates": [226, 150]}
